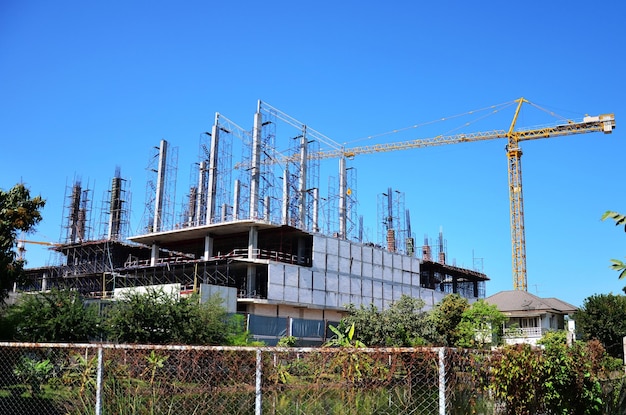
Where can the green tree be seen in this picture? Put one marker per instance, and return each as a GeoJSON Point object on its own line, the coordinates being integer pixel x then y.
{"type": "Point", "coordinates": [18, 212]}
{"type": "Point", "coordinates": [603, 317]}
{"type": "Point", "coordinates": [54, 316]}
{"type": "Point", "coordinates": [446, 317]}
{"type": "Point", "coordinates": [404, 323]}
{"type": "Point", "coordinates": [479, 324]}
{"type": "Point", "coordinates": [157, 317]}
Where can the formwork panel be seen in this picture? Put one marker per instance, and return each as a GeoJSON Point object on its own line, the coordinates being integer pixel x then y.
{"type": "Point", "coordinates": [332, 246]}
{"type": "Point", "coordinates": [332, 282]}
{"type": "Point", "coordinates": [355, 286]}
{"type": "Point", "coordinates": [397, 275]}
{"type": "Point", "coordinates": [319, 297]}
{"type": "Point", "coordinates": [406, 278]}
{"type": "Point", "coordinates": [319, 260]}
{"type": "Point", "coordinates": [276, 274]}
{"type": "Point", "coordinates": [344, 284]}
{"type": "Point", "coordinates": [367, 270]}
{"type": "Point", "coordinates": [319, 244]}
{"type": "Point", "coordinates": [344, 249]}
{"type": "Point", "coordinates": [332, 299]}
{"type": "Point", "coordinates": [397, 292]}
{"type": "Point", "coordinates": [305, 296]}
{"type": "Point", "coordinates": [367, 301]}
{"type": "Point", "coordinates": [344, 300]}
{"type": "Point", "coordinates": [378, 271]}
{"type": "Point", "coordinates": [387, 260]}
{"type": "Point", "coordinates": [367, 254]}
{"type": "Point", "coordinates": [387, 291]}
{"type": "Point", "coordinates": [291, 294]}
{"type": "Point", "coordinates": [377, 289]}
{"type": "Point", "coordinates": [275, 292]}
{"type": "Point", "coordinates": [332, 262]}
{"type": "Point", "coordinates": [319, 280]}
{"type": "Point", "coordinates": [291, 276]}
{"type": "Point", "coordinates": [377, 257]}
{"type": "Point", "coordinates": [356, 267]}
{"type": "Point", "coordinates": [344, 264]}
{"type": "Point", "coordinates": [355, 252]}
{"type": "Point", "coordinates": [366, 287]}
{"type": "Point", "coordinates": [357, 300]}
{"type": "Point", "coordinates": [378, 303]}
{"type": "Point", "coordinates": [415, 265]}
{"type": "Point", "coordinates": [306, 278]}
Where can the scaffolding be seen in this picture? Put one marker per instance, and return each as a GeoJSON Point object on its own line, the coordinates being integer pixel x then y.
{"type": "Point", "coordinates": [115, 209]}
{"type": "Point", "coordinates": [392, 231]}
{"type": "Point", "coordinates": [161, 189]}
{"type": "Point", "coordinates": [77, 213]}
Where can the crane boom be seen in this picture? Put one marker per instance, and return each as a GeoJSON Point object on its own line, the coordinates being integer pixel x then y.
{"type": "Point", "coordinates": [602, 123]}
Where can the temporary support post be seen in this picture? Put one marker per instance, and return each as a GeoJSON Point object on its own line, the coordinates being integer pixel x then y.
{"type": "Point", "coordinates": [304, 143]}
{"type": "Point", "coordinates": [211, 186]}
{"type": "Point", "coordinates": [154, 254]}
{"type": "Point", "coordinates": [316, 203]}
{"type": "Point", "coordinates": [442, 381]}
{"type": "Point", "coordinates": [285, 213]}
{"type": "Point", "coordinates": [208, 247]}
{"type": "Point", "coordinates": [342, 197]}
{"type": "Point", "coordinates": [160, 188]}
{"type": "Point", "coordinates": [255, 170]}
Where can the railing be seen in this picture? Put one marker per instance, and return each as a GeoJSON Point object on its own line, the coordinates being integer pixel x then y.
{"type": "Point", "coordinates": [525, 332]}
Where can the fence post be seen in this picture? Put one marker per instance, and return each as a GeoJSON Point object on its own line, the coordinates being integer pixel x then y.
{"type": "Point", "coordinates": [442, 381]}
{"type": "Point", "coordinates": [257, 401]}
{"type": "Point", "coordinates": [99, 383]}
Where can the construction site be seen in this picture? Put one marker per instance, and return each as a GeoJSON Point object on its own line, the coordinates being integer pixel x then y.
{"type": "Point", "coordinates": [257, 227]}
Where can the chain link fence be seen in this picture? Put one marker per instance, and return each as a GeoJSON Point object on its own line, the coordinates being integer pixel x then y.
{"type": "Point", "coordinates": [136, 379]}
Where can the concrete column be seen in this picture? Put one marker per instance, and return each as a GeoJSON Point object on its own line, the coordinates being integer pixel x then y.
{"type": "Point", "coordinates": [208, 247]}
{"type": "Point", "coordinates": [201, 195]}
{"type": "Point", "coordinates": [253, 240]}
{"type": "Point", "coordinates": [316, 212]}
{"type": "Point", "coordinates": [285, 212]}
{"type": "Point", "coordinates": [212, 181]}
{"type": "Point", "coordinates": [160, 188]}
{"type": "Point", "coordinates": [255, 170]}
{"type": "Point", "coordinates": [302, 182]}
{"type": "Point", "coordinates": [342, 197]}
{"type": "Point", "coordinates": [154, 254]}
{"type": "Point", "coordinates": [236, 200]}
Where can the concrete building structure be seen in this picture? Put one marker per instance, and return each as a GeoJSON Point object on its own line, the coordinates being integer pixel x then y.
{"type": "Point", "coordinates": [269, 246]}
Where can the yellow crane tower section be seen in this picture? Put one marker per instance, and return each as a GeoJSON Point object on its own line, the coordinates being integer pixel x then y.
{"type": "Point", "coordinates": [602, 123]}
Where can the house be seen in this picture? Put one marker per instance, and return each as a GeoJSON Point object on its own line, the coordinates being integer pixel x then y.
{"type": "Point", "coordinates": [530, 317]}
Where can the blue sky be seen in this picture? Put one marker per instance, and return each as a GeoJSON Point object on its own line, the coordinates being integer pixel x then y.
{"type": "Point", "coordinates": [88, 87]}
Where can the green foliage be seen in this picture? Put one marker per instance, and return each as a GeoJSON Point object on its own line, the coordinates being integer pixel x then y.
{"type": "Point", "coordinates": [557, 380]}
{"type": "Point", "coordinates": [446, 317]}
{"type": "Point", "coordinates": [33, 373]}
{"type": "Point", "coordinates": [287, 341]}
{"type": "Point", "coordinates": [157, 317]}
{"type": "Point", "coordinates": [18, 212]}
{"type": "Point", "coordinates": [344, 336]}
{"type": "Point", "coordinates": [479, 323]}
{"type": "Point", "coordinates": [54, 316]}
{"type": "Point", "coordinates": [402, 324]}
{"type": "Point", "coordinates": [603, 317]}
{"type": "Point", "coordinates": [620, 220]}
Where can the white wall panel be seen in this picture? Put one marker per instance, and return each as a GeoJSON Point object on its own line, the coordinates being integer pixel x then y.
{"type": "Point", "coordinates": [291, 294]}
{"type": "Point", "coordinates": [276, 274]}
{"type": "Point", "coordinates": [367, 269]}
{"type": "Point", "coordinates": [397, 275]}
{"type": "Point", "coordinates": [332, 262]}
{"type": "Point", "coordinates": [332, 282]}
{"type": "Point", "coordinates": [387, 291]}
{"type": "Point", "coordinates": [367, 254]}
{"type": "Point", "coordinates": [344, 300]}
{"type": "Point", "coordinates": [355, 252]}
{"type": "Point", "coordinates": [406, 278]}
{"type": "Point", "coordinates": [377, 257]}
{"type": "Point", "coordinates": [377, 288]}
{"type": "Point", "coordinates": [344, 249]}
{"type": "Point", "coordinates": [378, 272]}
{"type": "Point", "coordinates": [344, 264]}
{"type": "Point", "coordinates": [306, 278]}
{"type": "Point", "coordinates": [275, 292]}
{"type": "Point", "coordinates": [355, 286]}
{"type": "Point", "coordinates": [344, 284]}
{"type": "Point", "coordinates": [305, 296]}
{"type": "Point", "coordinates": [319, 298]}
{"type": "Point", "coordinates": [319, 280]}
{"type": "Point", "coordinates": [366, 287]}
{"type": "Point", "coordinates": [387, 259]}
{"type": "Point", "coordinates": [332, 299]}
{"type": "Point", "coordinates": [291, 276]}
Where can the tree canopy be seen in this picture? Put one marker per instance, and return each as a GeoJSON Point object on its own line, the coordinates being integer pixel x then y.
{"type": "Point", "coordinates": [603, 317]}
{"type": "Point", "coordinates": [18, 212]}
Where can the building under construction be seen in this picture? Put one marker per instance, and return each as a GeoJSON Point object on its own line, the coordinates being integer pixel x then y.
{"type": "Point", "coordinates": [257, 230]}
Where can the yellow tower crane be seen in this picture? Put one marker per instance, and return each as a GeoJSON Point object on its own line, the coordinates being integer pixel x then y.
{"type": "Point", "coordinates": [602, 123]}
{"type": "Point", "coordinates": [21, 246]}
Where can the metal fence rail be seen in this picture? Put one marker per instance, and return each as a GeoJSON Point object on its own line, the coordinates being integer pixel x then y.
{"type": "Point", "coordinates": [136, 379]}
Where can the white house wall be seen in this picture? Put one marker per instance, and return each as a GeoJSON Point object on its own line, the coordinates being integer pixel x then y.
{"type": "Point", "coordinates": [345, 272]}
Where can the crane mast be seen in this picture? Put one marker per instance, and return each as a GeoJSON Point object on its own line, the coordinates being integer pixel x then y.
{"type": "Point", "coordinates": [602, 123]}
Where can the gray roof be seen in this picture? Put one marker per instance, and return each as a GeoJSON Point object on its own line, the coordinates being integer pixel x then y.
{"type": "Point", "coordinates": [518, 301]}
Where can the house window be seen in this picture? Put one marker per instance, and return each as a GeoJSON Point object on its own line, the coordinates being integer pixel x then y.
{"type": "Point", "coordinates": [528, 322]}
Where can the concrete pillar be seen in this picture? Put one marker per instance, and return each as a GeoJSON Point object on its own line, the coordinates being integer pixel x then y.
{"type": "Point", "coordinates": [285, 212]}
{"type": "Point", "coordinates": [212, 180]}
{"type": "Point", "coordinates": [154, 254]}
{"type": "Point", "coordinates": [342, 197]}
{"type": "Point", "coordinates": [160, 188]}
{"type": "Point", "coordinates": [255, 169]}
{"type": "Point", "coordinates": [208, 247]}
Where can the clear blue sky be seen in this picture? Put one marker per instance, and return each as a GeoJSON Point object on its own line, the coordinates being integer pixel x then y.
{"type": "Point", "coordinates": [86, 87]}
